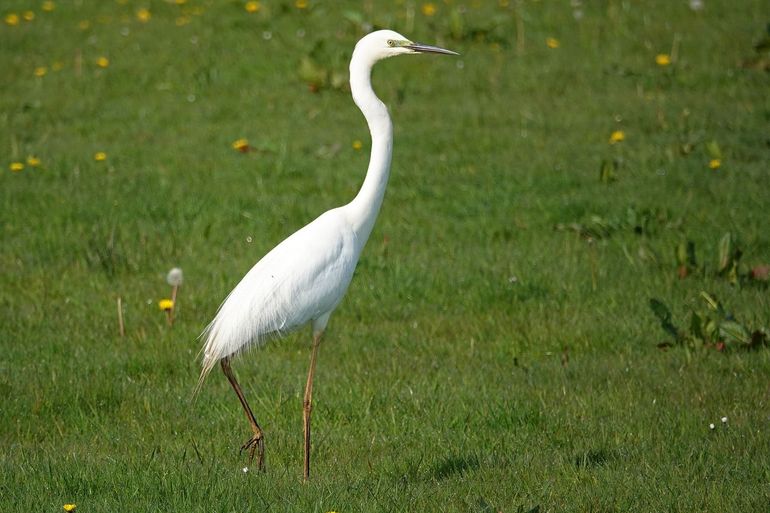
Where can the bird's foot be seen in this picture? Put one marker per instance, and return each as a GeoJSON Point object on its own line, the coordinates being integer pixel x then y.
{"type": "Point", "coordinates": [256, 444]}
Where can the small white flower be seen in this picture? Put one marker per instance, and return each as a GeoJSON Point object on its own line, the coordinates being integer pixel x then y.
{"type": "Point", "coordinates": [711, 426]}
{"type": "Point", "coordinates": [724, 420]}
{"type": "Point", "coordinates": [245, 470]}
{"type": "Point", "coordinates": [175, 277]}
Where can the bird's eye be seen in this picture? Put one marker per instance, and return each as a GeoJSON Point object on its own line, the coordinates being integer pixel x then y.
{"type": "Point", "coordinates": [391, 42]}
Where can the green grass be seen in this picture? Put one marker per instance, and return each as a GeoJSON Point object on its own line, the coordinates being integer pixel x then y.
{"type": "Point", "coordinates": [442, 383]}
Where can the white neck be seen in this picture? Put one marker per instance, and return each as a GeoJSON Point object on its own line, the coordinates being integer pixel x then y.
{"type": "Point", "coordinates": [365, 206]}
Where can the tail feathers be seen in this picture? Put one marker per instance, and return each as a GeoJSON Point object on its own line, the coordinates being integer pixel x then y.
{"type": "Point", "coordinates": [210, 353]}
{"type": "Point", "coordinates": [237, 328]}
{"type": "Point", "coordinates": [223, 342]}
{"type": "Point", "coordinates": [208, 364]}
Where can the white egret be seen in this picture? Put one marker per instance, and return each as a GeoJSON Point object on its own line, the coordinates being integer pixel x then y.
{"type": "Point", "coordinates": [304, 278]}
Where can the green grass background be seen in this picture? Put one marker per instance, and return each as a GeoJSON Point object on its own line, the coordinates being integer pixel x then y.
{"type": "Point", "coordinates": [442, 383]}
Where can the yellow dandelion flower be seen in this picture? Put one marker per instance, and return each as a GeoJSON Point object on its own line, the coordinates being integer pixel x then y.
{"type": "Point", "coordinates": [84, 24]}
{"type": "Point", "coordinates": [143, 15]}
{"type": "Point", "coordinates": [241, 145]}
{"type": "Point", "coordinates": [100, 156]}
{"type": "Point", "coordinates": [301, 4]}
{"type": "Point", "coordinates": [28, 15]}
{"type": "Point", "coordinates": [715, 163]}
{"type": "Point", "coordinates": [662, 59]}
{"type": "Point", "coordinates": [182, 20]}
{"type": "Point", "coordinates": [180, 2]}
{"type": "Point", "coordinates": [165, 304]}
{"type": "Point", "coordinates": [40, 71]}
{"type": "Point", "coordinates": [33, 161]}
{"type": "Point", "coordinates": [48, 6]}
{"type": "Point", "coordinates": [357, 145]}
{"type": "Point", "coordinates": [428, 9]}
{"type": "Point", "coordinates": [252, 6]}
{"type": "Point", "coordinates": [11, 19]}
{"type": "Point", "coordinates": [69, 507]}
{"type": "Point", "coordinates": [16, 166]}
{"type": "Point", "coordinates": [552, 42]}
{"type": "Point", "coordinates": [102, 62]}
{"type": "Point", "coordinates": [617, 136]}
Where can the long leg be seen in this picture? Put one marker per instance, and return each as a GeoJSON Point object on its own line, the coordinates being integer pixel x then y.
{"type": "Point", "coordinates": [257, 442]}
{"type": "Point", "coordinates": [307, 405]}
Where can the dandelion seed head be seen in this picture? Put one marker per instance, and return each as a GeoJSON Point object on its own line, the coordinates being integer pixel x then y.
{"type": "Point", "coordinates": [175, 277]}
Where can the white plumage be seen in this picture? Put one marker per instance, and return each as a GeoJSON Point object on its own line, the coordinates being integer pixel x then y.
{"type": "Point", "coordinates": [304, 278]}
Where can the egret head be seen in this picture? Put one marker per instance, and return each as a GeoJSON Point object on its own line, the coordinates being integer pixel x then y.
{"type": "Point", "coordinates": [387, 43]}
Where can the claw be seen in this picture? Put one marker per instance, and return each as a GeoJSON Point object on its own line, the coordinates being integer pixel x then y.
{"type": "Point", "coordinates": [257, 442]}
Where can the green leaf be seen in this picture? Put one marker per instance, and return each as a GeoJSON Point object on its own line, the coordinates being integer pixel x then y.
{"type": "Point", "coordinates": [725, 252]}
{"type": "Point", "coordinates": [712, 302]}
{"type": "Point", "coordinates": [607, 171]}
{"type": "Point", "coordinates": [731, 331]}
{"type": "Point", "coordinates": [712, 147]}
{"type": "Point", "coordinates": [681, 253]}
{"type": "Point", "coordinates": [696, 327]}
{"type": "Point", "coordinates": [456, 24]}
{"type": "Point", "coordinates": [710, 330]}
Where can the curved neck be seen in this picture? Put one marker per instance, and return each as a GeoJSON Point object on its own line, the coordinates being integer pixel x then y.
{"type": "Point", "coordinates": [366, 205]}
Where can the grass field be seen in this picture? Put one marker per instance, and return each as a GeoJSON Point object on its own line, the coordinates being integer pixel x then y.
{"type": "Point", "coordinates": [496, 350]}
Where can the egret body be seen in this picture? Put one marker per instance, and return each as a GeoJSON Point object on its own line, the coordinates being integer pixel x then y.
{"type": "Point", "coordinates": [303, 279]}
